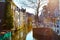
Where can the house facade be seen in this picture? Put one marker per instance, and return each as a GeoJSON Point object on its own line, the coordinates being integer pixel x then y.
{"type": "Point", "coordinates": [51, 16]}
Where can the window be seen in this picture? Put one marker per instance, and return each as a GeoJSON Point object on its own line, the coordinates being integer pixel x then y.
{"type": "Point", "coordinates": [48, 11]}
{"type": "Point", "coordinates": [57, 26]}
{"type": "Point", "coordinates": [21, 34]}
{"type": "Point", "coordinates": [57, 31]}
{"type": "Point", "coordinates": [44, 10]}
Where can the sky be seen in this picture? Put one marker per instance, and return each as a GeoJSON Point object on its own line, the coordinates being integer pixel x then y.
{"type": "Point", "coordinates": [30, 10]}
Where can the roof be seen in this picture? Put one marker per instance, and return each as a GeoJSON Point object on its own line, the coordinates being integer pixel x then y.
{"type": "Point", "coordinates": [29, 13]}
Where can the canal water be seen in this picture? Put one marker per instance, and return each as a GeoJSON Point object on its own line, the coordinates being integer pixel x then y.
{"type": "Point", "coordinates": [30, 35]}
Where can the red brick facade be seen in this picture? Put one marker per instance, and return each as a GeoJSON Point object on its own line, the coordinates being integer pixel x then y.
{"type": "Point", "coordinates": [44, 34]}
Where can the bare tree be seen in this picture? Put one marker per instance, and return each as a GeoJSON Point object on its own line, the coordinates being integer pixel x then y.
{"type": "Point", "coordinates": [34, 4]}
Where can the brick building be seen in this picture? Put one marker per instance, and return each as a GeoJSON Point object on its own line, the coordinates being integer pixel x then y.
{"type": "Point", "coordinates": [44, 34]}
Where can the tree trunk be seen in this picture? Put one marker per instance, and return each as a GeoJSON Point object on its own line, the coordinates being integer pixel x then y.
{"type": "Point", "coordinates": [37, 12]}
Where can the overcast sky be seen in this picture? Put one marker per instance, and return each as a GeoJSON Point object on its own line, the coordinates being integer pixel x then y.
{"type": "Point", "coordinates": [18, 3]}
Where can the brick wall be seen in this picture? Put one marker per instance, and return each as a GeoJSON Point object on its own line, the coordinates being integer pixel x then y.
{"type": "Point", "coordinates": [44, 34]}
